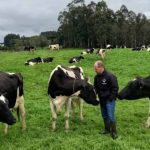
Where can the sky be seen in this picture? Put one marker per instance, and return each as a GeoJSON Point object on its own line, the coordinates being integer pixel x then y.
{"type": "Point", "coordinates": [31, 17]}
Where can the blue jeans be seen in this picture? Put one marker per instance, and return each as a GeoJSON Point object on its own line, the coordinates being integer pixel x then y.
{"type": "Point", "coordinates": [108, 110]}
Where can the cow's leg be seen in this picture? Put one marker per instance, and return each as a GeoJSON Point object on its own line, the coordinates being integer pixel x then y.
{"type": "Point", "coordinates": [54, 115]}
{"type": "Point", "coordinates": [7, 126]}
{"type": "Point", "coordinates": [81, 109]}
{"type": "Point", "coordinates": [103, 55]}
{"type": "Point", "coordinates": [22, 111]}
{"type": "Point", "coordinates": [73, 107]}
{"type": "Point", "coordinates": [67, 110]}
{"type": "Point", "coordinates": [147, 124]}
{"type": "Point", "coordinates": [6, 129]}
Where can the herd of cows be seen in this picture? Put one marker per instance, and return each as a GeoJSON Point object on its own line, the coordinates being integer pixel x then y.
{"type": "Point", "coordinates": [99, 52]}
{"type": "Point", "coordinates": [66, 86]}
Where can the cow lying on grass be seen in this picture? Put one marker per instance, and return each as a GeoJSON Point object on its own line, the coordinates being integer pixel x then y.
{"type": "Point", "coordinates": [11, 97]}
{"type": "Point", "coordinates": [76, 59]}
{"type": "Point", "coordinates": [38, 60]}
{"type": "Point", "coordinates": [65, 84]}
{"type": "Point", "coordinates": [87, 51]}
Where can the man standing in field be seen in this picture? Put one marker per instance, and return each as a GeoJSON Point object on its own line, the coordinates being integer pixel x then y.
{"type": "Point", "coordinates": [106, 87]}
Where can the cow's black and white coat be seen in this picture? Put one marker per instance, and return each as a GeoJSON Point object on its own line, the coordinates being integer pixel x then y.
{"type": "Point", "coordinates": [34, 61]}
{"type": "Point", "coordinates": [54, 47]}
{"type": "Point", "coordinates": [148, 49]}
{"type": "Point", "coordinates": [11, 97]}
{"type": "Point", "coordinates": [38, 60]}
{"type": "Point", "coordinates": [136, 89]}
{"type": "Point", "coordinates": [90, 50]}
{"type": "Point", "coordinates": [48, 59]}
{"type": "Point", "coordinates": [101, 52]}
{"type": "Point", "coordinates": [65, 84]}
{"type": "Point", "coordinates": [29, 48]}
{"type": "Point", "coordinates": [137, 49]}
{"type": "Point", "coordinates": [76, 59]}
{"type": "Point", "coordinates": [87, 51]}
{"type": "Point", "coordinates": [109, 46]}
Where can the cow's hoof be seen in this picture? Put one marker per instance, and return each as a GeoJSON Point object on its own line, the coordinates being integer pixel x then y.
{"type": "Point", "coordinates": [5, 132]}
{"type": "Point", "coordinates": [24, 129]}
{"type": "Point", "coordinates": [147, 124]}
{"type": "Point", "coordinates": [66, 130]}
{"type": "Point", "coordinates": [81, 119]}
{"type": "Point", "coordinates": [53, 129]}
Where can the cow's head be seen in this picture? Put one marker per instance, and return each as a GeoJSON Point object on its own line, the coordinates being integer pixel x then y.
{"type": "Point", "coordinates": [133, 90]}
{"type": "Point", "coordinates": [81, 57]}
{"type": "Point", "coordinates": [88, 93]}
{"type": "Point", "coordinates": [5, 113]}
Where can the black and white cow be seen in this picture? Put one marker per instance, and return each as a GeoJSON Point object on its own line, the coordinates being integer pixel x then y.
{"type": "Point", "coordinates": [75, 59]}
{"type": "Point", "coordinates": [48, 59]}
{"type": "Point", "coordinates": [64, 84]}
{"type": "Point", "coordinates": [38, 60]}
{"type": "Point", "coordinates": [109, 46]}
{"type": "Point", "coordinates": [29, 48]}
{"type": "Point", "coordinates": [148, 49]}
{"type": "Point", "coordinates": [136, 89]}
{"type": "Point", "coordinates": [11, 97]}
{"type": "Point", "coordinates": [88, 51]}
{"type": "Point", "coordinates": [101, 52]}
{"type": "Point", "coordinates": [137, 49]}
{"type": "Point", "coordinates": [54, 47]}
{"type": "Point", "coordinates": [34, 61]}
{"type": "Point", "coordinates": [143, 47]}
{"type": "Point", "coordinates": [84, 53]}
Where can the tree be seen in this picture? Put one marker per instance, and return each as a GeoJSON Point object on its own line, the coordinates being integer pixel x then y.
{"type": "Point", "coordinates": [9, 40]}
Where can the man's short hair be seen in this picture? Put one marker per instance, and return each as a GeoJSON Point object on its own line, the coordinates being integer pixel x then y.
{"type": "Point", "coordinates": [99, 64]}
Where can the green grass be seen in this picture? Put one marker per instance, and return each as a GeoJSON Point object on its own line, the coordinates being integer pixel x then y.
{"type": "Point", "coordinates": [130, 115]}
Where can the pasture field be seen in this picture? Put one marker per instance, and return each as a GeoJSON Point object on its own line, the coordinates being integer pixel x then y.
{"type": "Point", "coordinates": [130, 115]}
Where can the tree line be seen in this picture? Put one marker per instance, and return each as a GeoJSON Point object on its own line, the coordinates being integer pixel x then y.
{"type": "Point", "coordinates": [95, 25]}
{"type": "Point", "coordinates": [91, 25]}
{"type": "Point", "coordinates": [15, 42]}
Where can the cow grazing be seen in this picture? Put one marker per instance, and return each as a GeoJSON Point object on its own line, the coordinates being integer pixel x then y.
{"type": "Point", "coordinates": [30, 48]}
{"type": "Point", "coordinates": [101, 52]}
{"type": "Point", "coordinates": [136, 89]}
{"type": "Point", "coordinates": [11, 97]}
{"type": "Point", "coordinates": [64, 84]}
{"type": "Point", "coordinates": [54, 47]}
{"type": "Point", "coordinates": [5, 113]}
{"type": "Point", "coordinates": [76, 59]}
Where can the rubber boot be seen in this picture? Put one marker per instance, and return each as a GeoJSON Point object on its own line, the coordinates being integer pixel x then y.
{"type": "Point", "coordinates": [113, 130]}
{"type": "Point", "coordinates": [107, 127]}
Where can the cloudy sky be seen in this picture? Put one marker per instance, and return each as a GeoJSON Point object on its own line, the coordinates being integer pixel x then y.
{"type": "Point", "coordinates": [30, 17]}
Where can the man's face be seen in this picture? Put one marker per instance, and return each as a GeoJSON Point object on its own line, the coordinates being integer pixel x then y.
{"type": "Point", "coordinates": [98, 70]}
